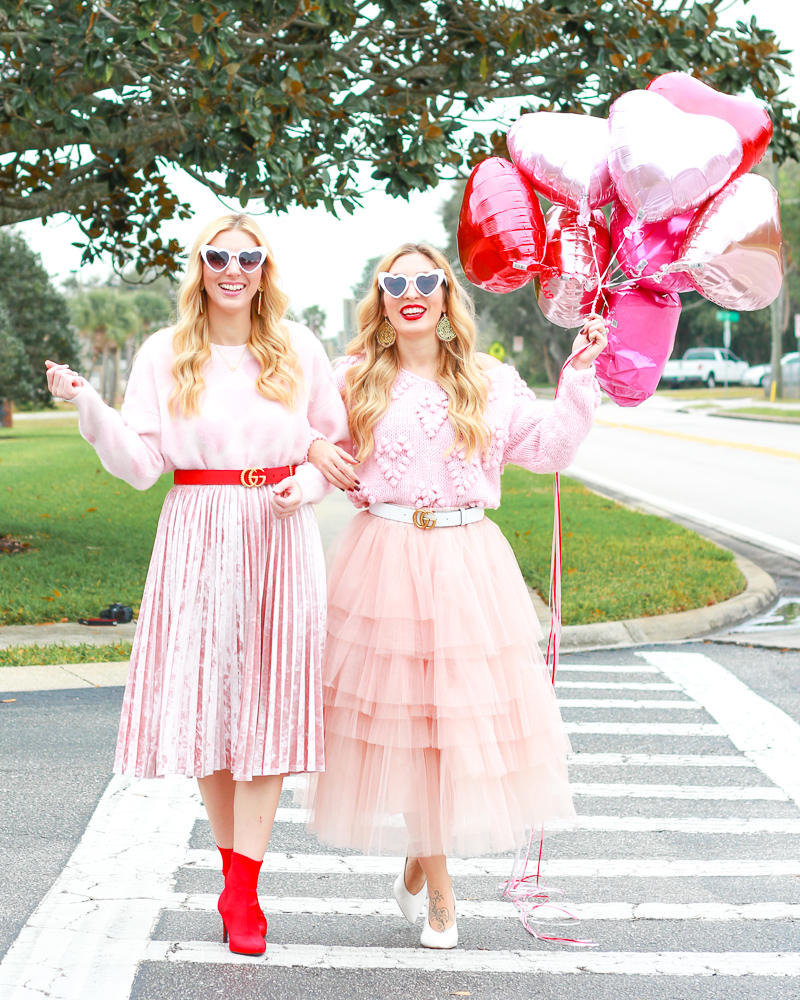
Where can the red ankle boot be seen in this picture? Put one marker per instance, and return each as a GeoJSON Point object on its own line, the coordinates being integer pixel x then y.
{"type": "Point", "coordinates": [226, 853]}
{"type": "Point", "coordinates": [238, 905]}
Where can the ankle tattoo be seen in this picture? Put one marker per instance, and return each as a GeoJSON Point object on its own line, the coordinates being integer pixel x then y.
{"type": "Point", "coordinates": [439, 915]}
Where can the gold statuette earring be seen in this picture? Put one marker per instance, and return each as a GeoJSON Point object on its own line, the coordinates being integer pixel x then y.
{"type": "Point", "coordinates": [386, 334]}
{"type": "Point", "coordinates": [202, 289]}
{"type": "Point", "coordinates": [444, 331]}
{"type": "Point", "coordinates": [260, 290]}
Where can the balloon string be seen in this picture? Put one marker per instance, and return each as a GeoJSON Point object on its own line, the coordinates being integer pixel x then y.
{"type": "Point", "coordinates": [529, 893]}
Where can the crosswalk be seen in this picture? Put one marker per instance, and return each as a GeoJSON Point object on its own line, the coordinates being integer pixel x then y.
{"type": "Point", "coordinates": [683, 862]}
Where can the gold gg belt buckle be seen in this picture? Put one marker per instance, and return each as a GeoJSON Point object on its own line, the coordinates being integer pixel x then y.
{"type": "Point", "coordinates": [251, 477]}
{"type": "Point", "coordinates": [425, 519]}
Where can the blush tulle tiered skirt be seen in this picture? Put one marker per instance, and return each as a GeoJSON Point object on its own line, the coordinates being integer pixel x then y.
{"type": "Point", "coordinates": [442, 731]}
{"type": "Point", "coordinates": [226, 665]}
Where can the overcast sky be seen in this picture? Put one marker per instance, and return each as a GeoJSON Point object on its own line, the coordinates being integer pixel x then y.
{"type": "Point", "coordinates": [320, 257]}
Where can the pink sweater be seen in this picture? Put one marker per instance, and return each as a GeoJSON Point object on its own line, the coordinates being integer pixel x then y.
{"type": "Point", "coordinates": [237, 427]}
{"type": "Point", "coordinates": [408, 464]}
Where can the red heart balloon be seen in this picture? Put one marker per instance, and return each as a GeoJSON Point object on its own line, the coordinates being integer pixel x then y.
{"type": "Point", "coordinates": [749, 119]}
{"type": "Point", "coordinates": [501, 232]}
{"type": "Point", "coordinates": [575, 263]}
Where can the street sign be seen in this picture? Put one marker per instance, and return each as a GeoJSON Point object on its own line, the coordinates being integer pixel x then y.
{"type": "Point", "coordinates": [518, 345]}
{"type": "Point", "coordinates": [797, 325]}
{"type": "Point", "coordinates": [498, 351]}
{"type": "Point", "coordinates": [724, 314]}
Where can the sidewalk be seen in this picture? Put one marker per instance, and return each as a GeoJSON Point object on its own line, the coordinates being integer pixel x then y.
{"type": "Point", "coordinates": [333, 514]}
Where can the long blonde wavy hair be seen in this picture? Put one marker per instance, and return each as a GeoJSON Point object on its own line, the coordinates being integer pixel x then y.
{"type": "Point", "coordinates": [368, 384]}
{"type": "Point", "coordinates": [281, 376]}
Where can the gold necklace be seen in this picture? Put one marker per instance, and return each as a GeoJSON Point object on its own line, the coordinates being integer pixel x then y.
{"type": "Point", "coordinates": [232, 367]}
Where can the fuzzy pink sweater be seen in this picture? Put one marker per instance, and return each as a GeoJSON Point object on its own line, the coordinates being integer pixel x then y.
{"type": "Point", "coordinates": [237, 428]}
{"type": "Point", "coordinates": [408, 465]}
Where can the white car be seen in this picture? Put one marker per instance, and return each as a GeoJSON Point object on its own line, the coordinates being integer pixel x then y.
{"type": "Point", "coordinates": [760, 374]}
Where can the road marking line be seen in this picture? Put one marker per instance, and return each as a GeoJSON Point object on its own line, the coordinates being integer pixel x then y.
{"type": "Point", "coordinates": [697, 439]}
{"type": "Point", "coordinates": [677, 963]}
{"type": "Point", "coordinates": [618, 685]}
{"type": "Point", "coordinates": [760, 538]}
{"type": "Point", "coordinates": [359, 864]}
{"type": "Point", "coordinates": [733, 825]}
{"type": "Point", "coordinates": [765, 734]}
{"type": "Point", "coordinates": [496, 909]}
{"type": "Point", "coordinates": [593, 668]}
{"type": "Point", "coordinates": [645, 728]}
{"type": "Point", "coordinates": [90, 932]}
{"type": "Point", "coordinates": [657, 760]}
{"type": "Point", "coordinates": [732, 793]}
{"type": "Point", "coordinates": [650, 703]}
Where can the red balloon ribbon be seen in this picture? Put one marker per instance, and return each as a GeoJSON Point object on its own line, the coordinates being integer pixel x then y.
{"type": "Point", "coordinates": [528, 893]}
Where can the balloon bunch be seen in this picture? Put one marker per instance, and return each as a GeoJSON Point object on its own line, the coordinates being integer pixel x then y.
{"type": "Point", "coordinates": [672, 161]}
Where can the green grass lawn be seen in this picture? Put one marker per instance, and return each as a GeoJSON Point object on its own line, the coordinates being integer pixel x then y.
{"type": "Point", "coordinates": [769, 411]}
{"type": "Point", "coordinates": [24, 656]}
{"type": "Point", "coordinates": [91, 537]}
{"type": "Point", "coordinates": [90, 534]}
{"type": "Point", "coordinates": [617, 563]}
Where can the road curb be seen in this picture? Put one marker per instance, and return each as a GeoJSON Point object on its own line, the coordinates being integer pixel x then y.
{"type": "Point", "coordinates": [765, 418]}
{"type": "Point", "coordinates": [759, 594]}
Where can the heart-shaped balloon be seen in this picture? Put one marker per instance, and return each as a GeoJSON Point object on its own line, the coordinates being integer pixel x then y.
{"type": "Point", "coordinates": [575, 265]}
{"type": "Point", "coordinates": [641, 335]}
{"type": "Point", "coordinates": [642, 253]}
{"type": "Point", "coordinates": [664, 161]}
{"type": "Point", "coordinates": [748, 117]}
{"type": "Point", "coordinates": [565, 157]}
{"type": "Point", "coordinates": [501, 232]}
{"type": "Point", "coordinates": [732, 249]}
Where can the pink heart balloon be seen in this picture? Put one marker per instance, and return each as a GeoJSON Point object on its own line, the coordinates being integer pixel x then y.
{"type": "Point", "coordinates": [641, 335]}
{"type": "Point", "coordinates": [641, 254]}
{"type": "Point", "coordinates": [733, 246]}
{"type": "Point", "coordinates": [575, 263]}
{"type": "Point", "coordinates": [501, 234]}
{"type": "Point", "coordinates": [665, 161]}
{"type": "Point", "coordinates": [565, 157]}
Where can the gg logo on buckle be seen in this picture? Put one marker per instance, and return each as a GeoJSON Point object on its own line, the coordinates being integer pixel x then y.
{"type": "Point", "coordinates": [251, 477]}
{"type": "Point", "coordinates": [424, 519]}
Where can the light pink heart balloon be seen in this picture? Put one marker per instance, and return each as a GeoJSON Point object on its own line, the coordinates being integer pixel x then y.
{"type": "Point", "coordinates": [665, 161]}
{"type": "Point", "coordinates": [565, 157]}
{"type": "Point", "coordinates": [732, 249]}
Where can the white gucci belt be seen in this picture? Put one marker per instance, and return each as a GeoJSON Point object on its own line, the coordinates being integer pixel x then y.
{"type": "Point", "coordinates": [424, 517]}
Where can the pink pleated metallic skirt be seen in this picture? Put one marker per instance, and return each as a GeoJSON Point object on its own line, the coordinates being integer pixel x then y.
{"type": "Point", "coordinates": [226, 665]}
{"type": "Point", "coordinates": [442, 731]}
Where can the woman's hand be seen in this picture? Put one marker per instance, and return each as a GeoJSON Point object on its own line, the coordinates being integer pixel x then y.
{"type": "Point", "coordinates": [62, 382]}
{"type": "Point", "coordinates": [334, 463]}
{"type": "Point", "coordinates": [287, 495]}
{"type": "Point", "coordinates": [594, 335]}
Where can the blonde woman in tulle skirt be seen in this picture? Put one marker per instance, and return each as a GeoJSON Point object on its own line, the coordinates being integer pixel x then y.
{"type": "Point", "coordinates": [442, 731]}
{"type": "Point", "coordinates": [225, 675]}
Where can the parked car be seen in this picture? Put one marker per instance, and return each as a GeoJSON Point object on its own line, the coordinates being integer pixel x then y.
{"type": "Point", "coordinates": [762, 374]}
{"type": "Point", "coordinates": [790, 377]}
{"type": "Point", "coordinates": [707, 365]}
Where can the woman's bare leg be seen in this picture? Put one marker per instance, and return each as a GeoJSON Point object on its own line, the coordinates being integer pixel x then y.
{"type": "Point", "coordinates": [441, 902]}
{"type": "Point", "coordinates": [254, 806]}
{"type": "Point", "coordinates": [217, 792]}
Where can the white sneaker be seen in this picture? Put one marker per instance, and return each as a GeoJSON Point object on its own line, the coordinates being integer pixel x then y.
{"type": "Point", "coordinates": [412, 905]}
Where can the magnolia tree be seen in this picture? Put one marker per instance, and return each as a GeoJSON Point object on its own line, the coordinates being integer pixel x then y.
{"type": "Point", "coordinates": [290, 101]}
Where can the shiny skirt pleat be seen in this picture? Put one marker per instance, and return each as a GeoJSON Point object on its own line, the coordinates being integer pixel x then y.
{"type": "Point", "coordinates": [443, 735]}
{"type": "Point", "coordinates": [226, 665]}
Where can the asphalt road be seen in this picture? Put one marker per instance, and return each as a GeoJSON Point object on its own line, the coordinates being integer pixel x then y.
{"type": "Point", "coordinates": [685, 868]}
{"type": "Point", "coordinates": [738, 473]}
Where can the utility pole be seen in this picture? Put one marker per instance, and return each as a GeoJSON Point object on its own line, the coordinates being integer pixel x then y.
{"type": "Point", "coordinates": [776, 322]}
